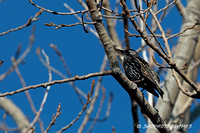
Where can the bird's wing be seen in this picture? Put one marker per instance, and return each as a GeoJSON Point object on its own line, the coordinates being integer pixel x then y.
{"type": "Point", "coordinates": [132, 70]}
{"type": "Point", "coordinates": [152, 77]}
{"type": "Point", "coordinates": [155, 75]}
{"type": "Point", "coordinates": [149, 72]}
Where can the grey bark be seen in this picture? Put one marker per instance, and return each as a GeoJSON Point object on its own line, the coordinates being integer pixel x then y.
{"type": "Point", "coordinates": [184, 53]}
{"type": "Point", "coordinates": [15, 113]}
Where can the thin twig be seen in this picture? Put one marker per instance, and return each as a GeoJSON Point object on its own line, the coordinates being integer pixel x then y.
{"type": "Point", "coordinates": [186, 92]}
{"type": "Point", "coordinates": [79, 18]}
{"type": "Point", "coordinates": [161, 66]}
{"type": "Point", "coordinates": [164, 56]}
{"type": "Point", "coordinates": [54, 12]}
{"type": "Point", "coordinates": [45, 95]}
{"type": "Point", "coordinates": [107, 114]}
{"type": "Point", "coordinates": [96, 94]}
{"type": "Point", "coordinates": [84, 108]}
{"type": "Point", "coordinates": [111, 11]}
{"type": "Point", "coordinates": [50, 24]}
{"type": "Point", "coordinates": [77, 90]}
{"type": "Point", "coordinates": [83, 4]}
{"type": "Point", "coordinates": [27, 93]}
{"type": "Point", "coordinates": [44, 85]}
{"type": "Point", "coordinates": [18, 28]}
{"type": "Point", "coordinates": [170, 58]}
{"type": "Point", "coordinates": [99, 110]}
{"type": "Point", "coordinates": [53, 121]}
{"type": "Point", "coordinates": [21, 58]}
{"type": "Point", "coordinates": [130, 87]}
{"type": "Point", "coordinates": [152, 33]}
{"type": "Point", "coordinates": [189, 28]}
{"type": "Point", "coordinates": [163, 34]}
{"type": "Point", "coordinates": [167, 6]}
{"type": "Point", "coordinates": [28, 23]}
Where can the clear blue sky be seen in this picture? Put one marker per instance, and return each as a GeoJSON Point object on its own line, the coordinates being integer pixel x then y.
{"type": "Point", "coordinates": [80, 51]}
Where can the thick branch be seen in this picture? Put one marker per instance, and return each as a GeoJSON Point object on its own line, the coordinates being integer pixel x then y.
{"type": "Point", "coordinates": [103, 35]}
{"type": "Point", "coordinates": [184, 52]}
{"type": "Point", "coordinates": [15, 113]}
{"type": "Point", "coordinates": [181, 9]}
{"type": "Point", "coordinates": [129, 86]}
{"type": "Point", "coordinates": [145, 107]}
{"type": "Point", "coordinates": [161, 54]}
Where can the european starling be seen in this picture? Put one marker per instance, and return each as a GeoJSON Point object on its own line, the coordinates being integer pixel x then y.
{"type": "Point", "coordinates": [139, 71]}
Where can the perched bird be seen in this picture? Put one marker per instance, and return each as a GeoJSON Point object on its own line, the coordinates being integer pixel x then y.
{"type": "Point", "coordinates": [139, 71]}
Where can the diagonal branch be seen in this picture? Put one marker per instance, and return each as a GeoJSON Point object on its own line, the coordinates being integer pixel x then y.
{"type": "Point", "coordinates": [181, 9]}
{"type": "Point", "coordinates": [83, 109]}
{"type": "Point", "coordinates": [44, 85]}
{"type": "Point", "coordinates": [129, 86]}
{"type": "Point", "coordinates": [28, 23]}
{"type": "Point", "coordinates": [165, 57]}
{"type": "Point", "coordinates": [54, 12]}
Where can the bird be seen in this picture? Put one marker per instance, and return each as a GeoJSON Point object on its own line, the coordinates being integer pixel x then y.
{"type": "Point", "coordinates": [138, 71]}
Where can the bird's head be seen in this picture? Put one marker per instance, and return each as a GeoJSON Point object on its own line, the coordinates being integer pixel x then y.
{"type": "Point", "coordinates": [128, 52]}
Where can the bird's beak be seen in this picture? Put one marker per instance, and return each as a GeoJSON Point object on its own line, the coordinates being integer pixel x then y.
{"type": "Point", "coordinates": [120, 51]}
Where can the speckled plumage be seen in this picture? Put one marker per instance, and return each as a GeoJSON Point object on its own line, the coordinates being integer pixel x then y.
{"type": "Point", "coordinates": [139, 71]}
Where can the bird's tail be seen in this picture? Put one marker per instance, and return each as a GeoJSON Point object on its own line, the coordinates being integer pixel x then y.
{"type": "Point", "coordinates": [159, 91]}
{"type": "Point", "coordinates": [152, 91]}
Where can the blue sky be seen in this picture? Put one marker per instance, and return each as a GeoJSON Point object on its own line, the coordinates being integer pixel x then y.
{"type": "Point", "coordinates": [80, 51]}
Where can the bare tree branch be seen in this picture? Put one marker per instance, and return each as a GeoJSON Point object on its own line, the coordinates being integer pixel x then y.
{"type": "Point", "coordinates": [84, 108]}
{"type": "Point", "coordinates": [54, 12]}
{"type": "Point", "coordinates": [53, 121]}
{"type": "Point", "coordinates": [129, 86]}
{"type": "Point", "coordinates": [16, 114]}
{"type": "Point", "coordinates": [28, 23]}
{"type": "Point", "coordinates": [44, 85]}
